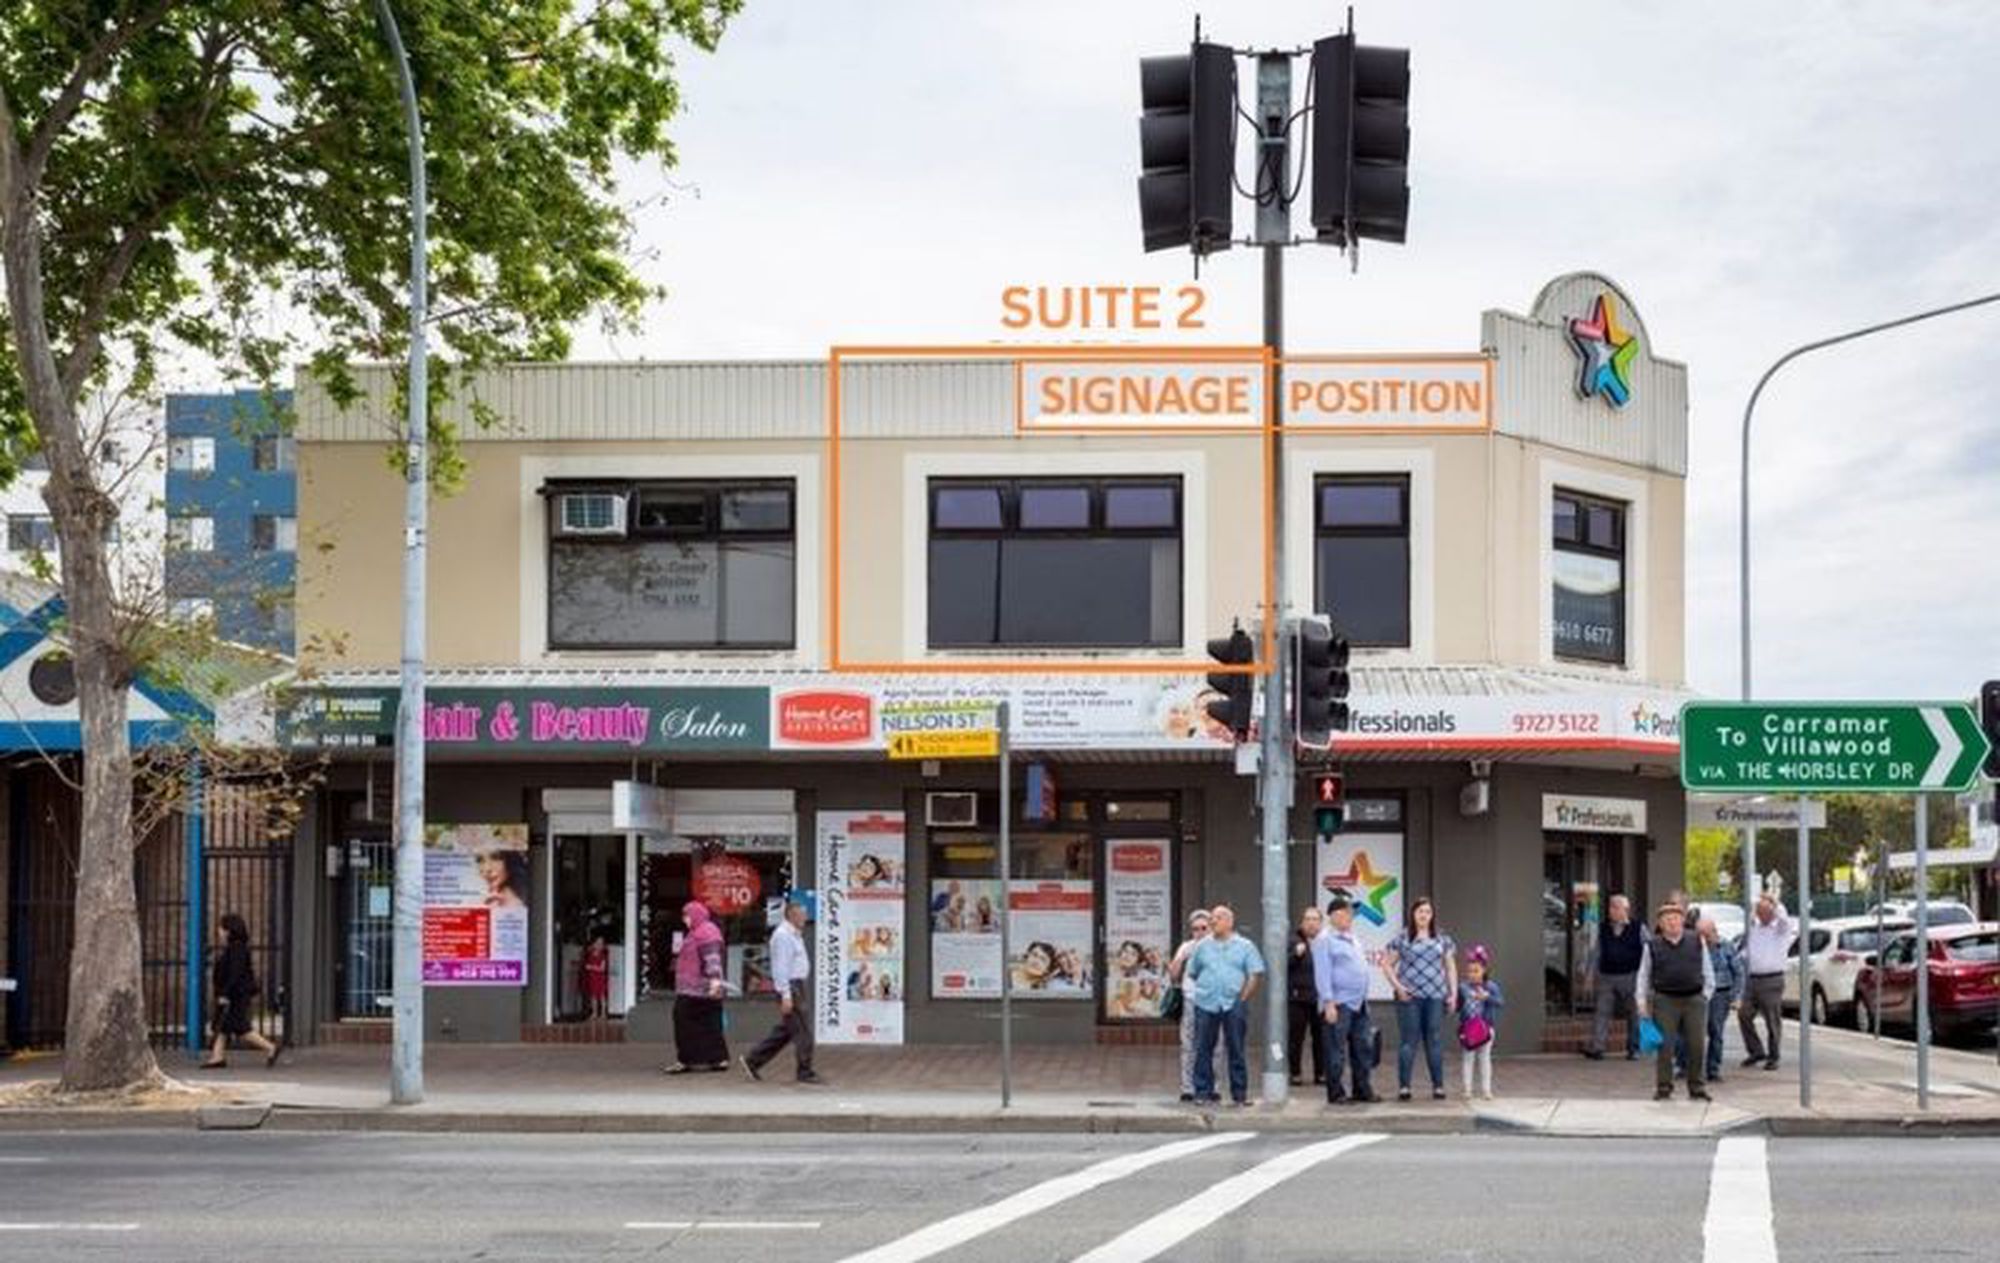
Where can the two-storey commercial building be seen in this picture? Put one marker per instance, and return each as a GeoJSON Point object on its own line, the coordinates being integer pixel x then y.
{"type": "Point", "coordinates": [682, 615]}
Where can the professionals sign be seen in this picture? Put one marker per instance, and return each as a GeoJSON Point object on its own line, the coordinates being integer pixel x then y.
{"type": "Point", "coordinates": [1752, 813]}
{"type": "Point", "coordinates": [1829, 747]}
{"type": "Point", "coordinates": [942, 730]}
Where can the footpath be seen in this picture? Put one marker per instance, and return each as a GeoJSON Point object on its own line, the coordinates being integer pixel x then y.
{"type": "Point", "coordinates": [1860, 1087]}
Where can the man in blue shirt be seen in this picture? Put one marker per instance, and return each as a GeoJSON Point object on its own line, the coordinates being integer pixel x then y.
{"type": "Point", "coordinates": [1340, 972]}
{"type": "Point", "coordinates": [1729, 978]}
{"type": "Point", "coordinates": [1224, 970]}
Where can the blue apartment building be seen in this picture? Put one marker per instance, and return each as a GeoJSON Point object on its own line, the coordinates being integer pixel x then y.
{"type": "Point", "coordinates": [232, 515]}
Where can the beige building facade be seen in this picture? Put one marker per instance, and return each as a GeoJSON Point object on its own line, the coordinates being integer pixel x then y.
{"type": "Point", "coordinates": [784, 565]}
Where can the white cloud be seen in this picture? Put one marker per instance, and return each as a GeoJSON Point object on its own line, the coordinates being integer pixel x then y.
{"type": "Point", "coordinates": [1756, 175]}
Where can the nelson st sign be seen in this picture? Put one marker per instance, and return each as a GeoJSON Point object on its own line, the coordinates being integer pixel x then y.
{"type": "Point", "coordinates": [538, 720]}
{"type": "Point", "coordinates": [1829, 747]}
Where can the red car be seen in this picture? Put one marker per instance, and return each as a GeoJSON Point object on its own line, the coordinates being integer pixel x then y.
{"type": "Point", "coordinates": [1964, 980]}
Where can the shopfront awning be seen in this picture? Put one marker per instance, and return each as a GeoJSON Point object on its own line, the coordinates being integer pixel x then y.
{"type": "Point", "coordinates": [1399, 713]}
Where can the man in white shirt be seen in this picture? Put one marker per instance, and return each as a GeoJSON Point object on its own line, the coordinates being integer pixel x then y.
{"type": "Point", "coordinates": [791, 975]}
{"type": "Point", "coordinates": [1765, 945]}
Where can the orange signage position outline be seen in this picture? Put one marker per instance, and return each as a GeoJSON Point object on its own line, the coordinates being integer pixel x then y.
{"type": "Point", "coordinates": [1080, 353]}
{"type": "Point", "coordinates": [1416, 358]}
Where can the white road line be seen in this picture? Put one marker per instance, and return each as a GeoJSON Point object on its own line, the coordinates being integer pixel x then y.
{"type": "Point", "coordinates": [720, 1225]}
{"type": "Point", "coordinates": [1168, 1229]}
{"type": "Point", "coordinates": [959, 1229]}
{"type": "Point", "coordinates": [8, 1159]}
{"type": "Point", "coordinates": [57, 1227]}
{"type": "Point", "coordinates": [1738, 1227]}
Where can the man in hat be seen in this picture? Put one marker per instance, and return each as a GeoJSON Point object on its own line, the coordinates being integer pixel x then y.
{"type": "Point", "coordinates": [1676, 978]}
{"type": "Point", "coordinates": [1340, 975]}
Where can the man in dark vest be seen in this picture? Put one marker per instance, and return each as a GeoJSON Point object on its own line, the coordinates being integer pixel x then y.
{"type": "Point", "coordinates": [1676, 978]}
{"type": "Point", "coordinates": [1615, 965]}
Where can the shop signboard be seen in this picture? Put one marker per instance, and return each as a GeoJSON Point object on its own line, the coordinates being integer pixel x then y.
{"type": "Point", "coordinates": [1367, 867]}
{"type": "Point", "coordinates": [475, 929]}
{"type": "Point", "coordinates": [1584, 813]}
{"type": "Point", "coordinates": [862, 885]}
{"type": "Point", "coordinates": [1756, 813]}
{"type": "Point", "coordinates": [509, 719]}
{"type": "Point", "coordinates": [942, 730]}
{"type": "Point", "coordinates": [1830, 747]}
{"type": "Point", "coordinates": [1138, 926]}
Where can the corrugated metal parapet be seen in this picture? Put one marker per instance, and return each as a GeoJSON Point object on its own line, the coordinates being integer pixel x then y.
{"type": "Point", "coordinates": [1539, 379]}
{"type": "Point", "coordinates": [725, 400]}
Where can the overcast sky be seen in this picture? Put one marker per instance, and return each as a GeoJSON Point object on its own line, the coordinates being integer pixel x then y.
{"type": "Point", "coordinates": [1755, 175]}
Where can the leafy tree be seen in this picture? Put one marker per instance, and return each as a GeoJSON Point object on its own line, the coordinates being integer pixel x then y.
{"type": "Point", "coordinates": [226, 178]}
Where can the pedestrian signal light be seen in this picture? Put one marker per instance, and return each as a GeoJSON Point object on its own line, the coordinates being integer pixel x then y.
{"type": "Point", "coordinates": [1329, 798]}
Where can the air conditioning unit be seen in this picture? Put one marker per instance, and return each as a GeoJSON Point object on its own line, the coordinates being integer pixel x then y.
{"type": "Point", "coordinates": [590, 513]}
{"type": "Point", "coordinates": [951, 811]}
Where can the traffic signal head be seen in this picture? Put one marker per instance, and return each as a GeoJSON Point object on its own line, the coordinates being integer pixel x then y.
{"type": "Point", "coordinates": [1361, 141]}
{"type": "Point", "coordinates": [1320, 682]}
{"type": "Point", "coordinates": [1989, 719]}
{"type": "Point", "coordinates": [1329, 797]}
{"type": "Point", "coordinates": [1187, 148]}
{"type": "Point", "coordinates": [1231, 708]}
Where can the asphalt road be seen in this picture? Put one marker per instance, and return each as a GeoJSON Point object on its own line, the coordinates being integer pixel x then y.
{"type": "Point", "coordinates": [991, 1199]}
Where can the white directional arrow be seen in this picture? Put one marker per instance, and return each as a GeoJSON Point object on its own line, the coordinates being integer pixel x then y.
{"type": "Point", "coordinates": [1949, 746]}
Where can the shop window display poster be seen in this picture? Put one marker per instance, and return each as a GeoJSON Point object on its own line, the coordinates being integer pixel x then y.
{"type": "Point", "coordinates": [1368, 868]}
{"type": "Point", "coordinates": [476, 905]}
{"type": "Point", "coordinates": [858, 976]}
{"type": "Point", "coordinates": [1138, 927]}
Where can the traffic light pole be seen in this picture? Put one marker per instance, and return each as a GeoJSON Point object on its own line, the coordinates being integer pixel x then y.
{"type": "Point", "coordinates": [1274, 107]}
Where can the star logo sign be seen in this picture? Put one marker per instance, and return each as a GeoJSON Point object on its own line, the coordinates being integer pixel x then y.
{"type": "Point", "coordinates": [1606, 351]}
{"type": "Point", "coordinates": [1373, 888]}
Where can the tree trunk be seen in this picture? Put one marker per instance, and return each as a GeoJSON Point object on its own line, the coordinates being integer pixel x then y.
{"type": "Point", "coordinates": [105, 1044]}
{"type": "Point", "coordinates": [104, 1036]}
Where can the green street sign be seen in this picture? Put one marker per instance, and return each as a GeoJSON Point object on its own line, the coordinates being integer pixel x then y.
{"type": "Point", "coordinates": [1829, 747]}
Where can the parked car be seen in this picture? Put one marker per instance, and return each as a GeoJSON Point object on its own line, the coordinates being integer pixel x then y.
{"type": "Point", "coordinates": [1964, 965]}
{"type": "Point", "coordinates": [1839, 946]}
{"type": "Point", "coordinates": [1942, 911]}
{"type": "Point", "coordinates": [1728, 918]}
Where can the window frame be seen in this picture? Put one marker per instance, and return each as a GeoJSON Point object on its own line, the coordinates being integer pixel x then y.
{"type": "Point", "coordinates": [1584, 501]}
{"type": "Point", "coordinates": [186, 522]}
{"type": "Point", "coordinates": [277, 544]}
{"type": "Point", "coordinates": [1010, 488]}
{"type": "Point", "coordinates": [34, 524]}
{"type": "Point", "coordinates": [1401, 480]}
{"type": "Point", "coordinates": [191, 443]}
{"type": "Point", "coordinates": [284, 453]}
{"type": "Point", "coordinates": [712, 490]}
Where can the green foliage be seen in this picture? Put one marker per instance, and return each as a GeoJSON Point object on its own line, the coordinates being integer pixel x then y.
{"type": "Point", "coordinates": [234, 178]}
{"type": "Point", "coordinates": [1710, 853]}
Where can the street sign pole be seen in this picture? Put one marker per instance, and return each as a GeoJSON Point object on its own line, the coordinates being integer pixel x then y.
{"type": "Point", "coordinates": [1881, 913]}
{"type": "Point", "coordinates": [1923, 954]}
{"type": "Point", "coordinates": [1006, 908]}
{"type": "Point", "coordinates": [1749, 876]}
{"type": "Point", "coordinates": [1805, 959]}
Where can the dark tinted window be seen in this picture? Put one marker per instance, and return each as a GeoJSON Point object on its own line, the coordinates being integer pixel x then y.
{"type": "Point", "coordinates": [1361, 557]}
{"type": "Point", "coordinates": [1055, 563]}
{"type": "Point", "coordinates": [1588, 564]}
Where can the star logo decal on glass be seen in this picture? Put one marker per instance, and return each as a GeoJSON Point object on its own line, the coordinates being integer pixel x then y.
{"type": "Point", "coordinates": [1606, 350]}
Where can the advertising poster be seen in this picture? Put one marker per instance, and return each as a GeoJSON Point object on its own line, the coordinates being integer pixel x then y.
{"type": "Point", "coordinates": [965, 939]}
{"type": "Point", "coordinates": [476, 905]}
{"type": "Point", "coordinates": [858, 976]}
{"type": "Point", "coordinates": [1050, 938]}
{"type": "Point", "coordinates": [1138, 927]}
{"type": "Point", "coordinates": [1368, 867]}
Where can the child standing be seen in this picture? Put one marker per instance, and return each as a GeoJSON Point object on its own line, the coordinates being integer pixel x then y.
{"type": "Point", "coordinates": [597, 976]}
{"type": "Point", "coordinates": [1479, 1002]}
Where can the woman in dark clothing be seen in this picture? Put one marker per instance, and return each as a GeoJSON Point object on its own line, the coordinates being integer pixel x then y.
{"type": "Point", "coordinates": [235, 984]}
{"type": "Point", "coordinates": [1302, 995]}
{"type": "Point", "coordinates": [698, 1039]}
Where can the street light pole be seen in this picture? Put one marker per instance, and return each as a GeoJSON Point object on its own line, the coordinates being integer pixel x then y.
{"type": "Point", "coordinates": [1749, 410]}
{"type": "Point", "coordinates": [406, 1064]}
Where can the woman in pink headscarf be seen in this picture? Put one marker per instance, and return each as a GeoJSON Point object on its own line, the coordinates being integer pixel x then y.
{"type": "Point", "coordinates": [698, 969]}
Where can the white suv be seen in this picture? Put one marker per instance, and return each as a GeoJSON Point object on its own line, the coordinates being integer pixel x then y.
{"type": "Point", "coordinates": [1838, 946]}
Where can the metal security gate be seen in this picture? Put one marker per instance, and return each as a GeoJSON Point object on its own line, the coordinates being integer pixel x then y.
{"type": "Point", "coordinates": [243, 872]}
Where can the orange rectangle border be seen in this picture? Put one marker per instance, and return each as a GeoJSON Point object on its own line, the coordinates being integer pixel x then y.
{"type": "Point", "coordinates": [1435, 385]}
{"type": "Point", "coordinates": [838, 356]}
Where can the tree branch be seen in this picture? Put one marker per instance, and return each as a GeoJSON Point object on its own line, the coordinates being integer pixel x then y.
{"type": "Point", "coordinates": [43, 142]}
